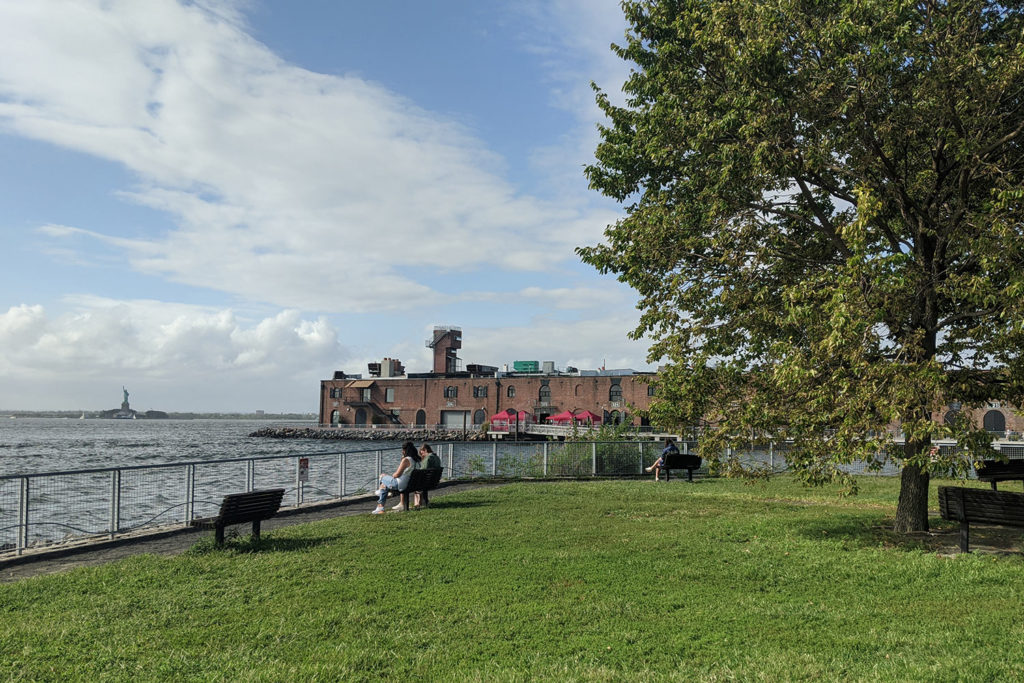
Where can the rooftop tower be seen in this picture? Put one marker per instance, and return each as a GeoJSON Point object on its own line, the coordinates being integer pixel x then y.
{"type": "Point", "coordinates": [446, 341]}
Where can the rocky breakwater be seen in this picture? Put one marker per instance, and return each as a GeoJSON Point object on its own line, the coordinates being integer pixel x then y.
{"type": "Point", "coordinates": [326, 433]}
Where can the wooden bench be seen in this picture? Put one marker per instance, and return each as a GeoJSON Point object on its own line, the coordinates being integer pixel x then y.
{"type": "Point", "coordinates": [680, 461]}
{"type": "Point", "coordinates": [980, 506]}
{"type": "Point", "coordinates": [994, 471]}
{"type": "Point", "coordinates": [421, 482]}
{"type": "Point", "coordinates": [241, 508]}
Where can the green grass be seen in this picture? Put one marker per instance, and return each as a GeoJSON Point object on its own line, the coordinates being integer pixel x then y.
{"type": "Point", "coordinates": [599, 581]}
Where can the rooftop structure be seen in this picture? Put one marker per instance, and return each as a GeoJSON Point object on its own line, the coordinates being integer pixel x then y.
{"type": "Point", "coordinates": [445, 342]}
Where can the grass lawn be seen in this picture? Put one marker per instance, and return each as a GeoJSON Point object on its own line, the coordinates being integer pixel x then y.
{"type": "Point", "coordinates": [600, 580]}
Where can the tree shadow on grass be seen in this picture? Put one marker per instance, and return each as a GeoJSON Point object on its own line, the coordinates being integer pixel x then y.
{"type": "Point", "coordinates": [942, 538]}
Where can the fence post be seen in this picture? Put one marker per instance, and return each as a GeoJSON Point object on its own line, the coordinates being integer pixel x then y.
{"type": "Point", "coordinates": [250, 475]}
{"type": "Point", "coordinates": [771, 455]}
{"type": "Point", "coordinates": [380, 467]}
{"type": "Point", "coordinates": [341, 475]}
{"type": "Point", "coordinates": [545, 459]}
{"type": "Point", "coordinates": [190, 493]}
{"type": "Point", "coordinates": [593, 458]}
{"type": "Point", "coordinates": [115, 502]}
{"type": "Point", "coordinates": [451, 458]}
{"type": "Point", "coordinates": [494, 459]}
{"type": "Point", "coordinates": [23, 517]}
{"type": "Point", "coordinates": [298, 484]}
{"type": "Point", "coordinates": [640, 445]}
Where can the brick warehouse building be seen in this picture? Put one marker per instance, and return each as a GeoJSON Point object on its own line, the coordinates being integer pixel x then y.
{"type": "Point", "coordinates": [455, 397]}
{"type": "Point", "coordinates": [452, 396]}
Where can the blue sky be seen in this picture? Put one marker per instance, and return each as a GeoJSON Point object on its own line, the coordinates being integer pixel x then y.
{"type": "Point", "coordinates": [218, 204]}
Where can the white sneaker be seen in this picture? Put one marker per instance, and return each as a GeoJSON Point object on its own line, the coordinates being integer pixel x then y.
{"type": "Point", "coordinates": [378, 511]}
{"type": "Point", "coordinates": [397, 508]}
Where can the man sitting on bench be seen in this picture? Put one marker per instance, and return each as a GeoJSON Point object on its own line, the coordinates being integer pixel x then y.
{"type": "Point", "coordinates": [659, 464]}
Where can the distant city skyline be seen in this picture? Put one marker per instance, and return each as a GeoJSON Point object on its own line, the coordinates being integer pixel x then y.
{"type": "Point", "coordinates": [218, 204]}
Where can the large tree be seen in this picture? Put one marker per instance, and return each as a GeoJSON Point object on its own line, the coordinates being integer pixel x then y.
{"type": "Point", "coordinates": [823, 221]}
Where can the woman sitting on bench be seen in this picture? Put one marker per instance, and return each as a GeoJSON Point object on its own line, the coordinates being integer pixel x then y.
{"type": "Point", "coordinates": [400, 479]}
{"type": "Point", "coordinates": [659, 464]}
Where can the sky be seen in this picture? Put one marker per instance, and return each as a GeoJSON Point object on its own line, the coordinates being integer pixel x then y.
{"type": "Point", "coordinates": [218, 203]}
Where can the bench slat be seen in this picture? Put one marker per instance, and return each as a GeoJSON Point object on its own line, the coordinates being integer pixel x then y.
{"type": "Point", "coordinates": [1011, 469]}
{"type": "Point", "coordinates": [421, 482]}
{"type": "Point", "coordinates": [980, 506]}
{"type": "Point", "coordinates": [680, 461]}
{"type": "Point", "coordinates": [239, 508]}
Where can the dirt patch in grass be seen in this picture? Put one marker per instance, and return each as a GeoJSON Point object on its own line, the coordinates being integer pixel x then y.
{"type": "Point", "coordinates": [944, 540]}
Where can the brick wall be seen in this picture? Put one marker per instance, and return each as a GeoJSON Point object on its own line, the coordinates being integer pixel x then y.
{"type": "Point", "coordinates": [437, 395]}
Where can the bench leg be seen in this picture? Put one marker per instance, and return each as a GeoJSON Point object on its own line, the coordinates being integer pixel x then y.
{"type": "Point", "coordinates": [405, 500]}
{"type": "Point", "coordinates": [964, 537]}
{"type": "Point", "coordinates": [424, 499]}
{"type": "Point", "coordinates": [994, 486]}
{"type": "Point", "coordinates": [689, 475]}
{"type": "Point", "coordinates": [256, 530]}
{"type": "Point", "coordinates": [218, 534]}
{"type": "Point", "coordinates": [667, 473]}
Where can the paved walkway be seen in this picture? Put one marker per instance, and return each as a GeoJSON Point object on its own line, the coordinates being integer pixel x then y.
{"type": "Point", "coordinates": [178, 541]}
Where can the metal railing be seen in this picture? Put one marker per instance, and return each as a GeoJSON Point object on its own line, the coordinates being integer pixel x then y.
{"type": "Point", "coordinates": [50, 508]}
{"type": "Point", "coordinates": [47, 509]}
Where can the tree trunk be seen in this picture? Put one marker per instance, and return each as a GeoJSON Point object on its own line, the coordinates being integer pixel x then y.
{"type": "Point", "coordinates": [912, 508]}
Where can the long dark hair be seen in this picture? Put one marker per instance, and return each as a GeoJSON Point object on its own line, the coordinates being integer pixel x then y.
{"type": "Point", "coordinates": [409, 451]}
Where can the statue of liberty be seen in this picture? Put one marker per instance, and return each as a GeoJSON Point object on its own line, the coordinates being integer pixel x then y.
{"type": "Point", "coordinates": [125, 404]}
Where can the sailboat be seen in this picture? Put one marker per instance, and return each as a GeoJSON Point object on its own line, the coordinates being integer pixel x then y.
{"type": "Point", "coordinates": [82, 416]}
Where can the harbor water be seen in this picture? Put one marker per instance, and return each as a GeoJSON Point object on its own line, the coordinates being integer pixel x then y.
{"type": "Point", "coordinates": [34, 445]}
{"type": "Point", "coordinates": [170, 471]}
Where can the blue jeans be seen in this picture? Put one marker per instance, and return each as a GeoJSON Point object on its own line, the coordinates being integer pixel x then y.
{"type": "Point", "coordinates": [386, 482]}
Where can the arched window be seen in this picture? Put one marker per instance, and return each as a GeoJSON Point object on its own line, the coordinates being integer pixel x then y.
{"type": "Point", "coordinates": [951, 417]}
{"type": "Point", "coordinates": [544, 395]}
{"type": "Point", "coordinates": [615, 393]}
{"type": "Point", "coordinates": [335, 417]}
{"type": "Point", "coordinates": [451, 392]}
{"type": "Point", "coordinates": [615, 417]}
{"type": "Point", "coordinates": [994, 421]}
{"type": "Point", "coordinates": [479, 417]}
{"type": "Point", "coordinates": [578, 390]}
{"type": "Point", "coordinates": [360, 416]}
{"type": "Point", "coordinates": [511, 393]}
{"type": "Point", "coordinates": [421, 417]}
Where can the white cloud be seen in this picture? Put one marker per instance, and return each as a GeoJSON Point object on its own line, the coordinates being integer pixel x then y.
{"type": "Point", "coordinates": [198, 356]}
{"type": "Point", "coordinates": [299, 190]}
{"type": "Point", "coordinates": [574, 37]}
{"type": "Point", "coordinates": [287, 186]}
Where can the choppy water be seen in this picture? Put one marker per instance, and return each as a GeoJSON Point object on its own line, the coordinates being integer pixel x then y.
{"type": "Point", "coordinates": [76, 504]}
{"type": "Point", "coordinates": [34, 445]}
